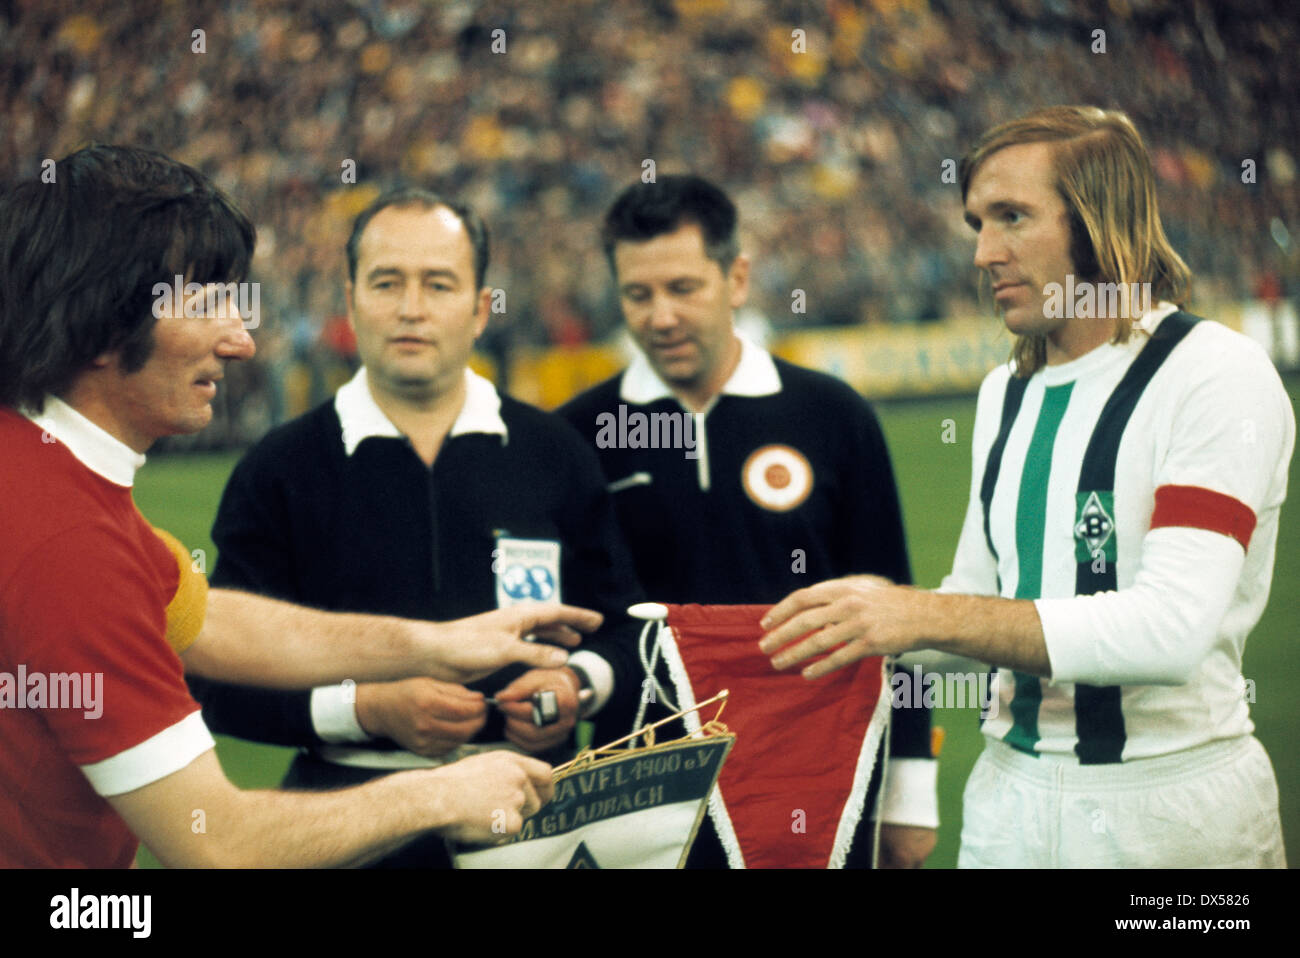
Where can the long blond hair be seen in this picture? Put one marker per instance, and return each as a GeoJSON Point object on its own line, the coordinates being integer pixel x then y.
{"type": "Point", "coordinates": [1104, 175]}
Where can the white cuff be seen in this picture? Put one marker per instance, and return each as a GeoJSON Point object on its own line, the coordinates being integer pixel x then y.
{"type": "Point", "coordinates": [334, 713]}
{"type": "Point", "coordinates": [600, 673]}
{"type": "Point", "coordinates": [1070, 638]}
{"type": "Point", "coordinates": [910, 795]}
{"type": "Point", "coordinates": [168, 751]}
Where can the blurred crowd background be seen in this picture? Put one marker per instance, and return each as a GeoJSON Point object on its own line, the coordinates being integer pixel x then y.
{"type": "Point", "coordinates": [829, 122]}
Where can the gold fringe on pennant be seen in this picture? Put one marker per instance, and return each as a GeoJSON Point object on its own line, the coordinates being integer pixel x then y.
{"type": "Point", "coordinates": [647, 734]}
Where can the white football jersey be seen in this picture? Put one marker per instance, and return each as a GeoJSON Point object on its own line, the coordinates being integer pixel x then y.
{"type": "Point", "coordinates": [1170, 521]}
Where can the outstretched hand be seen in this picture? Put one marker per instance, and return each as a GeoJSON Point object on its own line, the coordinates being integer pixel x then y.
{"type": "Point", "coordinates": [850, 618]}
{"type": "Point", "coordinates": [487, 797]}
{"type": "Point", "coordinates": [468, 649]}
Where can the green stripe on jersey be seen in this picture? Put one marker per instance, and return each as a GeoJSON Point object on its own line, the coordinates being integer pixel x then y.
{"type": "Point", "coordinates": [1031, 522]}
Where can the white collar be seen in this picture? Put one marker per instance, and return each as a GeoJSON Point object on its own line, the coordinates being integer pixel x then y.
{"type": "Point", "coordinates": [1100, 356]}
{"type": "Point", "coordinates": [95, 448]}
{"type": "Point", "coordinates": [1153, 316]}
{"type": "Point", "coordinates": [755, 375]}
{"type": "Point", "coordinates": [361, 417]}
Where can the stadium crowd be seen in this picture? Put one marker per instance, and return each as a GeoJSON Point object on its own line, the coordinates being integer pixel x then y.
{"type": "Point", "coordinates": [831, 125]}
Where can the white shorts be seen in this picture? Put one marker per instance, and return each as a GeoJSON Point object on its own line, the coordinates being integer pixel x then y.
{"type": "Point", "coordinates": [1214, 806]}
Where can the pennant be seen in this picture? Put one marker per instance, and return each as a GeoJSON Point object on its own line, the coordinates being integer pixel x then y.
{"type": "Point", "coordinates": [793, 790]}
{"type": "Point", "coordinates": [638, 808]}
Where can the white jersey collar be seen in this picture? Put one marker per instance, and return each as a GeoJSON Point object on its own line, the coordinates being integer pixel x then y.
{"type": "Point", "coordinates": [1155, 315]}
{"type": "Point", "coordinates": [1095, 359]}
{"type": "Point", "coordinates": [755, 375]}
{"type": "Point", "coordinates": [96, 449]}
{"type": "Point", "coordinates": [361, 417]}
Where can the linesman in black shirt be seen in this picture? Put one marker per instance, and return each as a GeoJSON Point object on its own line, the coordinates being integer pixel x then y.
{"type": "Point", "coordinates": [782, 478]}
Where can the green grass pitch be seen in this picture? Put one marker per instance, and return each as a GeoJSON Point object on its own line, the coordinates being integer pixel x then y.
{"type": "Point", "coordinates": [180, 494]}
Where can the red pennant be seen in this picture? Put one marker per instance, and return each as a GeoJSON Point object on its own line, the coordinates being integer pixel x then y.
{"type": "Point", "coordinates": [800, 745]}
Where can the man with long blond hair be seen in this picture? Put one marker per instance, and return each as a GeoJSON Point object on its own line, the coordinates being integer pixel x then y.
{"type": "Point", "coordinates": [1129, 465]}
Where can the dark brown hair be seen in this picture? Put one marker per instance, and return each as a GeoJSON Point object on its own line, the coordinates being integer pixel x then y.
{"type": "Point", "coordinates": [80, 254]}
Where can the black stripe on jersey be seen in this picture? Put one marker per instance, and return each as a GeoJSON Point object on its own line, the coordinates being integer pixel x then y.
{"type": "Point", "coordinates": [1011, 400]}
{"type": "Point", "coordinates": [1098, 718]}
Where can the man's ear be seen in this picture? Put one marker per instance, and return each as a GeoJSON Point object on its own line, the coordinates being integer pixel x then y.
{"type": "Point", "coordinates": [482, 311]}
{"type": "Point", "coordinates": [738, 281]}
{"type": "Point", "coordinates": [348, 291]}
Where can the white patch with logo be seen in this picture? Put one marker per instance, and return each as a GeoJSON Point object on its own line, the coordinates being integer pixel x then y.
{"type": "Point", "coordinates": [528, 570]}
{"type": "Point", "coordinates": [777, 478]}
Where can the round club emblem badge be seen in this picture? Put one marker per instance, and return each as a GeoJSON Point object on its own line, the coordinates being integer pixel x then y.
{"type": "Point", "coordinates": [777, 478]}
